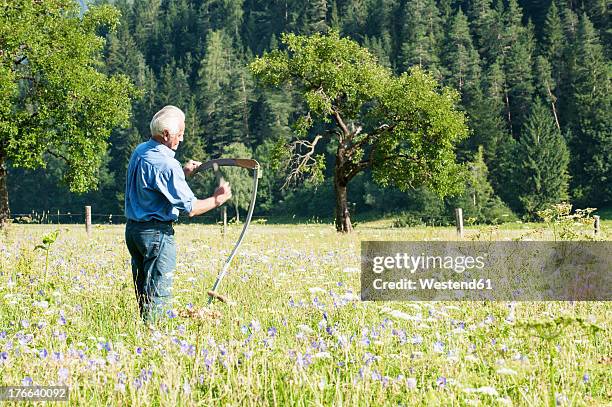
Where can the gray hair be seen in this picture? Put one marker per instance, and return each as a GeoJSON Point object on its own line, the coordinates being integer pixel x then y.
{"type": "Point", "coordinates": [168, 118]}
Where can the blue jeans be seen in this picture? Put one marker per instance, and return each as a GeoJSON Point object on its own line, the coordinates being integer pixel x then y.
{"type": "Point", "coordinates": [153, 250]}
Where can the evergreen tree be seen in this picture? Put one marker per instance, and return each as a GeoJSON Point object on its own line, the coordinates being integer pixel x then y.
{"type": "Point", "coordinates": [591, 124]}
{"type": "Point", "coordinates": [420, 36]}
{"type": "Point", "coordinates": [546, 86]}
{"type": "Point", "coordinates": [479, 201]}
{"type": "Point", "coordinates": [316, 17]}
{"type": "Point", "coordinates": [541, 162]}
{"type": "Point", "coordinates": [460, 59]}
{"type": "Point", "coordinates": [487, 26]}
{"type": "Point", "coordinates": [518, 65]}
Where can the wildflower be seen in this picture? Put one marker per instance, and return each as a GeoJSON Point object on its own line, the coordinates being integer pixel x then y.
{"type": "Point", "coordinates": [104, 345]}
{"type": "Point", "coordinates": [3, 357]}
{"type": "Point", "coordinates": [303, 361]}
{"type": "Point", "coordinates": [411, 383]}
{"type": "Point", "coordinates": [62, 374]}
{"type": "Point", "coordinates": [137, 383]}
{"type": "Point", "coordinates": [43, 353]}
{"type": "Point", "coordinates": [163, 387]}
{"type": "Point", "coordinates": [438, 347]}
{"type": "Point", "coordinates": [139, 350]}
{"type": "Point", "coordinates": [25, 323]}
{"type": "Point", "coordinates": [171, 314]}
{"type": "Point", "coordinates": [272, 331]}
{"type": "Point", "coordinates": [255, 325]}
{"type": "Point", "coordinates": [585, 378]}
{"type": "Point", "coordinates": [441, 382]}
{"type": "Point", "coordinates": [27, 381]}
{"type": "Point", "coordinates": [506, 371]}
{"type": "Point", "coordinates": [417, 339]}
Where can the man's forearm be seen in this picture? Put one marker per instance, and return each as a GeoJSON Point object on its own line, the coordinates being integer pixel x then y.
{"type": "Point", "coordinates": [201, 206]}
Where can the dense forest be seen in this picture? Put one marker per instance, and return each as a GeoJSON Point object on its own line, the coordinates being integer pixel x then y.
{"type": "Point", "coordinates": [534, 79]}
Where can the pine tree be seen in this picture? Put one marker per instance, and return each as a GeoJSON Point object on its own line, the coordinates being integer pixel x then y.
{"type": "Point", "coordinates": [518, 65]}
{"type": "Point", "coordinates": [591, 123]}
{"type": "Point", "coordinates": [479, 200]}
{"type": "Point", "coordinates": [541, 162]}
{"type": "Point", "coordinates": [546, 86]}
{"type": "Point", "coordinates": [460, 59]}
{"type": "Point", "coordinates": [487, 26]}
{"type": "Point", "coordinates": [420, 36]}
{"type": "Point", "coordinates": [316, 17]}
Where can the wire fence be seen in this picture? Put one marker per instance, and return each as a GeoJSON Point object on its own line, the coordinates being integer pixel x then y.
{"type": "Point", "coordinates": [50, 217]}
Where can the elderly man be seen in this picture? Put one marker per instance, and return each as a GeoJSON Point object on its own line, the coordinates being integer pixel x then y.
{"type": "Point", "coordinates": [155, 193]}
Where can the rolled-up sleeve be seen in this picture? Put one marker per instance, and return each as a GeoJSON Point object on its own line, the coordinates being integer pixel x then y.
{"type": "Point", "coordinates": [173, 186]}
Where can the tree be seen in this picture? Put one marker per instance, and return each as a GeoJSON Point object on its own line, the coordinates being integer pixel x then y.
{"type": "Point", "coordinates": [479, 200]}
{"type": "Point", "coordinates": [421, 35]}
{"type": "Point", "coordinates": [403, 128]}
{"type": "Point", "coordinates": [591, 121]}
{"type": "Point", "coordinates": [53, 100]}
{"type": "Point", "coordinates": [541, 162]}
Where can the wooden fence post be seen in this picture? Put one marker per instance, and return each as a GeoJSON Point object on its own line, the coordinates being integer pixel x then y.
{"type": "Point", "coordinates": [596, 225]}
{"type": "Point", "coordinates": [88, 220]}
{"type": "Point", "coordinates": [459, 221]}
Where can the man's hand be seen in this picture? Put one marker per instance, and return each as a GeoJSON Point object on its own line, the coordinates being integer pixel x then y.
{"type": "Point", "coordinates": [222, 193]}
{"type": "Point", "coordinates": [190, 167]}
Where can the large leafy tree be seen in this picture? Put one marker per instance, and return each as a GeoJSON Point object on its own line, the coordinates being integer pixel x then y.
{"type": "Point", "coordinates": [404, 128]}
{"type": "Point", "coordinates": [53, 99]}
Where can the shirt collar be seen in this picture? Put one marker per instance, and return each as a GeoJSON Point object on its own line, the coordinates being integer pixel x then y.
{"type": "Point", "coordinates": [162, 148]}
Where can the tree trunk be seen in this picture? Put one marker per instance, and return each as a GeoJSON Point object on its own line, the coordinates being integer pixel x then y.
{"type": "Point", "coordinates": [343, 218]}
{"type": "Point", "coordinates": [237, 214]}
{"type": "Point", "coordinates": [5, 212]}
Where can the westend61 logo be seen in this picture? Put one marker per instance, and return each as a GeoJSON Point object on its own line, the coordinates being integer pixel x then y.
{"type": "Point", "coordinates": [514, 271]}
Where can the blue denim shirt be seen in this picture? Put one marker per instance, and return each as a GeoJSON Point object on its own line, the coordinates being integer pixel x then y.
{"type": "Point", "coordinates": [155, 187]}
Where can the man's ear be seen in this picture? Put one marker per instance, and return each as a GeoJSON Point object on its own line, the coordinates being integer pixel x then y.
{"type": "Point", "coordinates": [166, 135]}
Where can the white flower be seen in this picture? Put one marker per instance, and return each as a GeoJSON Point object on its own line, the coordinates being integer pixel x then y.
{"type": "Point", "coordinates": [506, 371]}
{"type": "Point", "coordinates": [491, 391]}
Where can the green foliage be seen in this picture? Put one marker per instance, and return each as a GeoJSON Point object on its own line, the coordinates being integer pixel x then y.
{"type": "Point", "coordinates": [55, 100]}
{"type": "Point", "coordinates": [541, 162]}
{"type": "Point", "coordinates": [566, 225]}
{"type": "Point", "coordinates": [479, 201]}
{"type": "Point", "coordinates": [591, 123]}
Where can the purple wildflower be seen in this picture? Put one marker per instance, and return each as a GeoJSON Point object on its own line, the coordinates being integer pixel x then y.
{"type": "Point", "coordinates": [27, 381]}
{"type": "Point", "coordinates": [441, 382]}
{"type": "Point", "coordinates": [62, 374]}
{"type": "Point", "coordinates": [272, 331]}
{"type": "Point", "coordinates": [586, 378]}
{"type": "Point", "coordinates": [170, 314]}
{"type": "Point", "coordinates": [43, 353]}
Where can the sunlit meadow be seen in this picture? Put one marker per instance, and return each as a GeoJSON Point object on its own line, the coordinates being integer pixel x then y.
{"type": "Point", "coordinates": [297, 334]}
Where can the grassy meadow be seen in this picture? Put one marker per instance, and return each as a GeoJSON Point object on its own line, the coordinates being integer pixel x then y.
{"type": "Point", "coordinates": [297, 334]}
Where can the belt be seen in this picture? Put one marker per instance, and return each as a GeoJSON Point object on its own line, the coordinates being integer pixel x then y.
{"type": "Point", "coordinates": [152, 221]}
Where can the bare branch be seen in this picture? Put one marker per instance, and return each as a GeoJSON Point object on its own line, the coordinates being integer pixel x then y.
{"type": "Point", "coordinates": [302, 158]}
{"type": "Point", "coordinates": [341, 123]}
